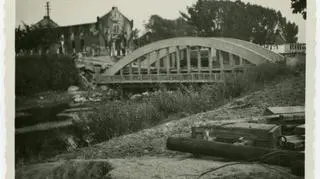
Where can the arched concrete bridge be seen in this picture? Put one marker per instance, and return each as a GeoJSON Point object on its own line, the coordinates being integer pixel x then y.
{"type": "Point", "coordinates": [186, 60]}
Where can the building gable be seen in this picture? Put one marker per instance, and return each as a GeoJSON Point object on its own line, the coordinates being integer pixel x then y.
{"type": "Point", "coordinates": [46, 22]}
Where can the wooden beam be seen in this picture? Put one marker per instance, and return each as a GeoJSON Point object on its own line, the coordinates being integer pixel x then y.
{"type": "Point", "coordinates": [139, 66]}
{"type": "Point", "coordinates": [199, 59]}
{"type": "Point", "coordinates": [182, 54]}
{"type": "Point", "coordinates": [240, 61]}
{"type": "Point", "coordinates": [130, 70]}
{"type": "Point", "coordinates": [173, 58]}
{"type": "Point", "coordinates": [178, 59]}
{"type": "Point", "coordinates": [188, 59]}
{"type": "Point", "coordinates": [221, 64]}
{"type": "Point", "coordinates": [211, 50]}
{"type": "Point", "coordinates": [167, 59]}
{"type": "Point", "coordinates": [158, 62]}
{"type": "Point", "coordinates": [231, 61]}
{"type": "Point", "coordinates": [149, 62]}
{"type": "Point", "coordinates": [235, 152]}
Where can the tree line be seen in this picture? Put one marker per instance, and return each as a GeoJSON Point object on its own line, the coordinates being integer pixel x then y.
{"type": "Point", "coordinates": [211, 18]}
{"type": "Point", "coordinates": [205, 18]}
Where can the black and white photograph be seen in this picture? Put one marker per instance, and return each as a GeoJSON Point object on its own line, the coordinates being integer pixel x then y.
{"type": "Point", "coordinates": [170, 89]}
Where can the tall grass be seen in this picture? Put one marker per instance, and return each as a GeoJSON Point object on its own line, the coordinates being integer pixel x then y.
{"type": "Point", "coordinates": [36, 74]}
{"type": "Point", "coordinates": [120, 117]}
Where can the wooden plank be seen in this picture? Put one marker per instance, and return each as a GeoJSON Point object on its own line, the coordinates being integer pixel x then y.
{"type": "Point", "coordinates": [297, 117]}
{"type": "Point", "coordinates": [44, 127]}
{"type": "Point", "coordinates": [285, 110]}
{"type": "Point", "coordinates": [300, 130]}
{"type": "Point", "coordinates": [267, 133]}
{"type": "Point", "coordinates": [178, 59]}
{"type": "Point", "coordinates": [188, 59]}
{"type": "Point", "coordinates": [81, 109]}
{"type": "Point", "coordinates": [230, 151]}
{"type": "Point", "coordinates": [294, 142]}
{"type": "Point", "coordinates": [287, 119]}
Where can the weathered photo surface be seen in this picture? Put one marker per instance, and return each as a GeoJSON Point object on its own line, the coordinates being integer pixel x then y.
{"type": "Point", "coordinates": [160, 89]}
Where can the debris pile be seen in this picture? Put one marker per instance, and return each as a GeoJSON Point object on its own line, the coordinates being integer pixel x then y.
{"type": "Point", "coordinates": [277, 137]}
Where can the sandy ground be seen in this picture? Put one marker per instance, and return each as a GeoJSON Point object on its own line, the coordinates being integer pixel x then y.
{"type": "Point", "coordinates": [180, 167]}
{"type": "Point", "coordinates": [143, 154]}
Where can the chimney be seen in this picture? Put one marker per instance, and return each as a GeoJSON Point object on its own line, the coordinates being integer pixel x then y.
{"type": "Point", "coordinates": [131, 23]}
{"type": "Point", "coordinates": [114, 8]}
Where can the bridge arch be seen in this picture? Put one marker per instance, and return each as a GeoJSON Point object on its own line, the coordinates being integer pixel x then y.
{"type": "Point", "coordinates": [244, 50]}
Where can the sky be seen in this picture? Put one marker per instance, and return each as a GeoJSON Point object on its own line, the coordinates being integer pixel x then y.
{"type": "Point", "coordinates": [68, 12]}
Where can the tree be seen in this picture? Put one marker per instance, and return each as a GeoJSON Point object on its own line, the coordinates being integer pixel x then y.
{"type": "Point", "coordinates": [290, 30]}
{"type": "Point", "coordinates": [237, 20]}
{"type": "Point", "coordinates": [35, 38]}
{"type": "Point", "coordinates": [160, 28]}
{"type": "Point", "coordinates": [299, 6]}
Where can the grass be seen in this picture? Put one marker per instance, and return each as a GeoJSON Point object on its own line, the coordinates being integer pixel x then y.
{"type": "Point", "coordinates": [121, 117]}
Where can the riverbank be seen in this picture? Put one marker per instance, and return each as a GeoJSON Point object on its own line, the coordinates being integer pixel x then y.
{"type": "Point", "coordinates": [129, 155]}
{"type": "Point", "coordinates": [113, 118]}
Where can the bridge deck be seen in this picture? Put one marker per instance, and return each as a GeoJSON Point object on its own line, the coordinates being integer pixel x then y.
{"type": "Point", "coordinates": [161, 78]}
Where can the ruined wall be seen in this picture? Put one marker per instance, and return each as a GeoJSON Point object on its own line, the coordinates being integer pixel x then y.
{"type": "Point", "coordinates": [104, 35]}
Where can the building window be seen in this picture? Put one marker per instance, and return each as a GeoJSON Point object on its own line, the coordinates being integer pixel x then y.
{"type": "Point", "coordinates": [116, 28]}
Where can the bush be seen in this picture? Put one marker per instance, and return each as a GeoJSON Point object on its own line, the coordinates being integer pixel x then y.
{"type": "Point", "coordinates": [44, 73]}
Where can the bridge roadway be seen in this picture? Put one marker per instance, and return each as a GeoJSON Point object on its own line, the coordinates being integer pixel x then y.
{"type": "Point", "coordinates": [163, 78]}
{"type": "Point", "coordinates": [180, 60]}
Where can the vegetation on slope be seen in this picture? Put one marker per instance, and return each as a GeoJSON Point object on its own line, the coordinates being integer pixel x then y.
{"type": "Point", "coordinates": [121, 117]}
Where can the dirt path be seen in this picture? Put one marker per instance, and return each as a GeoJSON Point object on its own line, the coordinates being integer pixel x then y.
{"type": "Point", "coordinates": [148, 167]}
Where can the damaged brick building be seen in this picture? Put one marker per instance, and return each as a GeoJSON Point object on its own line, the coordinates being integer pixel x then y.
{"type": "Point", "coordinates": [110, 35]}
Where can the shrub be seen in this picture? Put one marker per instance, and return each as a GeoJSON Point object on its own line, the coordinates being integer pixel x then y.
{"type": "Point", "coordinates": [120, 117]}
{"type": "Point", "coordinates": [44, 73]}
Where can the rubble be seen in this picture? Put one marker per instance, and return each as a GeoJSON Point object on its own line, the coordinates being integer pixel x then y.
{"type": "Point", "coordinates": [73, 89]}
{"type": "Point", "coordinates": [251, 138]}
{"type": "Point", "coordinates": [136, 97]}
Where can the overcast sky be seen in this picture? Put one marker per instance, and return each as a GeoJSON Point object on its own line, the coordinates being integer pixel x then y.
{"type": "Point", "coordinates": [68, 12]}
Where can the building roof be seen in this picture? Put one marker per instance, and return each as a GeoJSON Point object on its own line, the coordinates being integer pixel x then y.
{"type": "Point", "coordinates": [46, 22]}
{"type": "Point", "coordinates": [116, 8]}
{"type": "Point", "coordinates": [90, 23]}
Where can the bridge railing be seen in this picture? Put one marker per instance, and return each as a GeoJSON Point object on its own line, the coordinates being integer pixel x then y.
{"type": "Point", "coordinates": [159, 78]}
